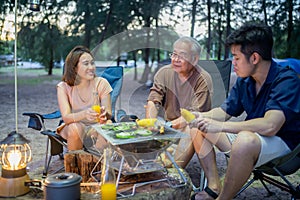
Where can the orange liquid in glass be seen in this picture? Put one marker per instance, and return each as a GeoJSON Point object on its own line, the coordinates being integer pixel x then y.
{"type": "Point", "coordinates": [108, 191]}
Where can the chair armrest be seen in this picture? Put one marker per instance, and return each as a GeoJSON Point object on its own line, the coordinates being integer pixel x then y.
{"type": "Point", "coordinates": [36, 121]}
{"type": "Point", "coordinates": [54, 115]}
{"type": "Point", "coordinates": [54, 135]}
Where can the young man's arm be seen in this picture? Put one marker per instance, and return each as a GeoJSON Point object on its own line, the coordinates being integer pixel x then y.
{"type": "Point", "coordinates": [216, 114]}
{"type": "Point", "coordinates": [268, 125]}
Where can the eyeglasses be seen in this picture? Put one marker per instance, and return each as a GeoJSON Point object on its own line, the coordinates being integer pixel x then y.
{"type": "Point", "coordinates": [181, 56]}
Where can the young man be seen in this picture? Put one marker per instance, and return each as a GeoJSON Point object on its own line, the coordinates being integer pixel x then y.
{"type": "Point", "coordinates": [182, 84]}
{"type": "Point", "coordinates": [269, 94]}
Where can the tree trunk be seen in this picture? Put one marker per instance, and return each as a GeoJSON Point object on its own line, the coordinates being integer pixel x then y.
{"type": "Point", "coordinates": [135, 65]}
{"type": "Point", "coordinates": [147, 68]}
{"type": "Point", "coordinates": [194, 4]}
{"type": "Point", "coordinates": [265, 11]}
{"type": "Point", "coordinates": [106, 23]}
{"type": "Point", "coordinates": [51, 49]}
{"type": "Point", "coordinates": [208, 45]}
{"type": "Point", "coordinates": [228, 27]}
{"type": "Point", "coordinates": [289, 28]}
{"type": "Point", "coordinates": [157, 40]}
{"type": "Point", "coordinates": [219, 30]}
{"type": "Point", "coordinates": [87, 35]}
{"type": "Point", "coordinates": [51, 63]}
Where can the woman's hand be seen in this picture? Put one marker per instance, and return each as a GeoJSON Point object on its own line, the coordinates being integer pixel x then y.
{"type": "Point", "coordinates": [102, 118]}
{"type": "Point", "coordinates": [91, 115]}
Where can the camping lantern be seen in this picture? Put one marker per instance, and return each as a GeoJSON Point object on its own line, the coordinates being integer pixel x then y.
{"type": "Point", "coordinates": [15, 153]}
{"type": "Point", "coordinates": [34, 5]}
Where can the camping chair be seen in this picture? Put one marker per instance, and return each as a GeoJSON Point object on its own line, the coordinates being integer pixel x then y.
{"type": "Point", "coordinates": [220, 72]}
{"type": "Point", "coordinates": [55, 143]}
{"type": "Point", "coordinates": [281, 166]}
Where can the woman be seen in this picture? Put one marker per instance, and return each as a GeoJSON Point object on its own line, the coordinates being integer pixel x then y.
{"type": "Point", "coordinates": [76, 95]}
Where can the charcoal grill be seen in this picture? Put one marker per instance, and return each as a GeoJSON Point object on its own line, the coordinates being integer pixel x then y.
{"type": "Point", "coordinates": [142, 154]}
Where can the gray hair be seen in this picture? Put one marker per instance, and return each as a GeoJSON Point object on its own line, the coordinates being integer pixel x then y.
{"type": "Point", "coordinates": [195, 46]}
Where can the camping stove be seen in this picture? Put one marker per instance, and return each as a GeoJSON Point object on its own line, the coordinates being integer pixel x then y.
{"type": "Point", "coordinates": [142, 155]}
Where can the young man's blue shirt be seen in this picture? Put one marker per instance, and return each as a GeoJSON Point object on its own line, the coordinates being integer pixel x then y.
{"type": "Point", "coordinates": [281, 91]}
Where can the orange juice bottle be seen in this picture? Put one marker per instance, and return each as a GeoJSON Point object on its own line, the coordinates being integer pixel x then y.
{"type": "Point", "coordinates": [96, 103]}
{"type": "Point", "coordinates": [108, 177]}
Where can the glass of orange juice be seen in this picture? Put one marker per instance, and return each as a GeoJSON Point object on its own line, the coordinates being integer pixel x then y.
{"type": "Point", "coordinates": [108, 191]}
{"type": "Point", "coordinates": [108, 177]}
{"type": "Point", "coordinates": [96, 103]}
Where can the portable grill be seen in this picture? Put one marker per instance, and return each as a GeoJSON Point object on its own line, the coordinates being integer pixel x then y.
{"type": "Point", "coordinates": [141, 154]}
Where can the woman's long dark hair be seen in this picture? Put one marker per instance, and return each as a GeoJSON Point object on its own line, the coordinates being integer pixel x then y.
{"type": "Point", "coordinates": [70, 67]}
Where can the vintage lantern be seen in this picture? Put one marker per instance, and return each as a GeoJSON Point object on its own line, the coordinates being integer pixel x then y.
{"type": "Point", "coordinates": [15, 153]}
{"type": "Point", "coordinates": [34, 5]}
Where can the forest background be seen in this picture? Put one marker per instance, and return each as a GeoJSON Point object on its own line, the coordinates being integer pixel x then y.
{"type": "Point", "coordinates": [49, 33]}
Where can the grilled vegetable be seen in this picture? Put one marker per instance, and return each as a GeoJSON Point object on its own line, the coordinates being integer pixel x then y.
{"type": "Point", "coordinates": [143, 132]}
{"type": "Point", "coordinates": [125, 135]}
{"type": "Point", "coordinates": [149, 122]}
{"type": "Point", "coordinates": [187, 115]}
{"type": "Point", "coordinates": [123, 127]}
{"type": "Point", "coordinates": [162, 130]}
{"type": "Point", "coordinates": [107, 127]}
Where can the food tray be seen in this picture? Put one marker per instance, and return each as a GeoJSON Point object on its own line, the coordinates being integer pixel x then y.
{"type": "Point", "coordinates": [109, 131]}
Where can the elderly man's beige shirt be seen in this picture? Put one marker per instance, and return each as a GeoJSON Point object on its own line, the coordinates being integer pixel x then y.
{"type": "Point", "coordinates": [172, 94]}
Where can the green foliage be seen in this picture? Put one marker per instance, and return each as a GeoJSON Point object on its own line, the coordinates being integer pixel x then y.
{"type": "Point", "coordinates": [40, 43]}
{"type": "Point", "coordinates": [6, 47]}
{"type": "Point", "coordinates": [90, 22]}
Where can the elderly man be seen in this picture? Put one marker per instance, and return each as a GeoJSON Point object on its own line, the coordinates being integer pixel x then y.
{"type": "Point", "coordinates": [269, 95]}
{"type": "Point", "coordinates": [182, 84]}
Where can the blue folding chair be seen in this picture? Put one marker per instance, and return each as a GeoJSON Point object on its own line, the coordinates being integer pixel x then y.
{"type": "Point", "coordinates": [55, 143]}
{"type": "Point", "coordinates": [114, 75]}
{"type": "Point", "coordinates": [291, 62]}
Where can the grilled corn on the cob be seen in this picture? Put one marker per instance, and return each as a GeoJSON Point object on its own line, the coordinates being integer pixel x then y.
{"type": "Point", "coordinates": [187, 115]}
{"type": "Point", "coordinates": [149, 122]}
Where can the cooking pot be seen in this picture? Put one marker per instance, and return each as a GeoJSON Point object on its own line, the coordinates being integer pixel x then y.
{"type": "Point", "coordinates": [62, 186]}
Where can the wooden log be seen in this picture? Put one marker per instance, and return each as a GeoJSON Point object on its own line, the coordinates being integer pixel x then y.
{"type": "Point", "coordinates": [81, 163]}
